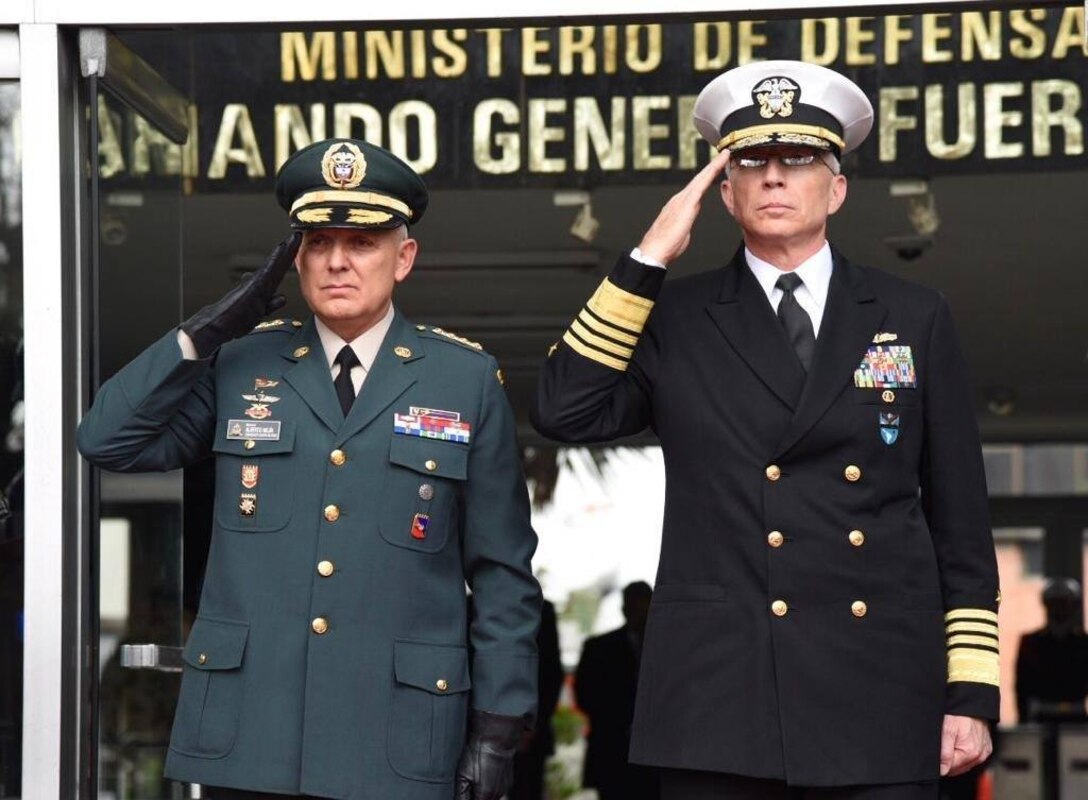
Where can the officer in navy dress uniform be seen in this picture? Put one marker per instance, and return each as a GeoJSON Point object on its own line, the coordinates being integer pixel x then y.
{"type": "Point", "coordinates": [366, 470]}
{"type": "Point", "coordinates": [824, 619]}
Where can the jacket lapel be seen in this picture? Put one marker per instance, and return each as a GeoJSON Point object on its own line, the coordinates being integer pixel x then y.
{"type": "Point", "coordinates": [746, 319]}
{"type": "Point", "coordinates": [310, 377]}
{"type": "Point", "coordinates": [851, 317]}
{"type": "Point", "coordinates": [389, 377]}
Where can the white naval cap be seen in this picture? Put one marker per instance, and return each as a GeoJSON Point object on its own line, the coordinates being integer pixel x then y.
{"type": "Point", "coordinates": [783, 102]}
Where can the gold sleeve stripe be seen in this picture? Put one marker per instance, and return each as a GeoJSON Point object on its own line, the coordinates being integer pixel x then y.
{"type": "Point", "coordinates": [982, 628]}
{"type": "Point", "coordinates": [976, 666]}
{"type": "Point", "coordinates": [619, 307]}
{"type": "Point", "coordinates": [973, 614]}
{"type": "Point", "coordinates": [594, 355]}
{"type": "Point", "coordinates": [589, 337]}
{"type": "Point", "coordinates": [604, 329]}
{"type": "Point", "coordinates": [964, 639]}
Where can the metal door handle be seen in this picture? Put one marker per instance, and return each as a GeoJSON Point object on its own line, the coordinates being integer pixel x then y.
{"type": "Point", "coordinates": [151, 656]}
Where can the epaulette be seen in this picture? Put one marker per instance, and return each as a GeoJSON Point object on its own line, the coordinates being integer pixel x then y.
{"type": "Point", "coordinates": [277, 324]}
{"type": "Point", "coordinates": [453, 337]}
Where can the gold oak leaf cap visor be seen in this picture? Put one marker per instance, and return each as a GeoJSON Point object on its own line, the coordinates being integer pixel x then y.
{"type": "Point", "coordinates": [349, 183]}
{"type": "Point", "coordinates": [769, 103]}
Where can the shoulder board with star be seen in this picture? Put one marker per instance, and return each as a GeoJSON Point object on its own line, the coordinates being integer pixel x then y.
{"type": "Point", "coordinates": [277, 325]}
{"type": "Point", "coordinates": [441, 333]}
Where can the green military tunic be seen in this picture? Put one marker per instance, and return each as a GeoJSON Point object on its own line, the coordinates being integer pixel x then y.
{"type": "Point", "coordinates": [332, 654]}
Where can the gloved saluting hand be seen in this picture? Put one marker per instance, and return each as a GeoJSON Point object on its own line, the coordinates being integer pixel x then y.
{"type": "Point", "coordinates": [486, 770]}
{"type": "Point", "coordinates": [240, 309]}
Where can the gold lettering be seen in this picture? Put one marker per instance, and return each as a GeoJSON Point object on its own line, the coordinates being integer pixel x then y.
{"type": "Point", "coordinates": [1044, 116]}
{"type": "Point", "coordinates": [236, 123]}
{"type": "Point", "coordinates": [894, 35]}
{"type": "Point", "coordinates": [349, 46]}
{"type": "Point", "coordinates": [508, 142]}
{"type": "Point", "coordinates": [300, 60]}
{"type": "Point", "coordinates": [996, 119]}
{"type": "Point", "coordinates": [540, 134]}
{"type": "Point", "coordinates": [532, 46]}
{"type": "Point", "coordinates": [891, 122]}
{"type": "Point", "coordinates": [935, 30]}
{"type": "Point", "coordinates": [418, 39]}
{"type": "Point", "coordinates": [645, 133]}
{"type": "Point", "coordinates": [1070, 33]}
{"type": "Point", "coordinates": [687, 136]}
{"type": "Point", "coordinates": [384, 49]}
{"type": "Point", "coordinates": [637, 60]}
{"type": "Point", "coordinates": [702, 58]}
{"type": "Point", "coordinates": [111, 158]}
{"type": "Point", "coordinates": [979, 34]}
{"type": "Point", "coordinates": [190, 151]}
{"type": "Point", "coordinates": [577, 41]}
{"type": "Point", "coordinates": [968, 123]}
{"type": "Point", "coordinates": [748, 39]}
{"type": "Point", "coordinates": [856, 37]}
{"type": "Point", "coordinates": [343, 122]}
{"type": "Point", "coordinates": [1034, 43]}
{"type": "Point", "coordinates": [427, 130]}
{"type": "Point", "coordinates": [291, 131]}
{"type": "Point", "coordinates": [494, 49]}
{"type": "Point", "coordinates": [151, 151]}
{"type": "Point", "coordinates": [453, 60]}
{"type": "Point", "coordinates": [611, 54]}
{"type": "Point", "coordinates": [810, 40]}
{"type": "Point", "coordinates": [589, 128]}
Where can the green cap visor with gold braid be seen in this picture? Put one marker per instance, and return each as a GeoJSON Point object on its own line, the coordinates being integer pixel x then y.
{"type": "Point", "coordinates": [349, 183]}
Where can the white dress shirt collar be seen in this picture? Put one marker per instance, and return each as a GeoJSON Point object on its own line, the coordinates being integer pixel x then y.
{"type": "Point", "coordinates": [815, 272]}
{"type": "Point", "coordinates": [366, 345]}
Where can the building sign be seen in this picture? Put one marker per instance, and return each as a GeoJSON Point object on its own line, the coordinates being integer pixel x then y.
{"type": "Point", "coordinates": [587, 105]}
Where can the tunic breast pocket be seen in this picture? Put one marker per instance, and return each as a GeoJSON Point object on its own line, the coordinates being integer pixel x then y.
{"type": "Point", "coordinates": [420, 495]}
{"type": "Point", "coordinates": [889, 414]}
{"type": "Point", "coordinates": [254, 480]}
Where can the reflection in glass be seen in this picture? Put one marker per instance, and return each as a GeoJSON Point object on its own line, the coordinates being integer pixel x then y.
{"type": "Point", "coordinates": [11, 445]}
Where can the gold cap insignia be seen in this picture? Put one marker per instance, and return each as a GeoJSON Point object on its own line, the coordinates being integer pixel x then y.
{"type": "Point", "coordinates": [343, 166]}
{"type": "Point", "coordinates": [776, 97]}
{"type": "Point", "coordinates": [402, 351]}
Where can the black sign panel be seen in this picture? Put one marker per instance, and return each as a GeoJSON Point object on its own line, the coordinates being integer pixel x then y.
{"type": "Point", "coordinates": [965, 92]}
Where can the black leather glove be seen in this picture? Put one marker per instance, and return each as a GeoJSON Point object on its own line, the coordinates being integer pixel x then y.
{"type": "Point", "coordinates": [486, 770]}
{"type": "Point", "coordinates": [240, 309]}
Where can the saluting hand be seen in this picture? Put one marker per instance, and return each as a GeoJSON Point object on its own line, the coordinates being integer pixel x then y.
{"type": "Point", "coordinates": [965, 743]}
{"type": "Point", "coordinates": [668, 237]}
{"type": "Point", "coordinates": [236, 312]}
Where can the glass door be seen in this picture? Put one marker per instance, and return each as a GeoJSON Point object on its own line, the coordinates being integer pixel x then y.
{"type": "Point", "coordinates": [138, 127]}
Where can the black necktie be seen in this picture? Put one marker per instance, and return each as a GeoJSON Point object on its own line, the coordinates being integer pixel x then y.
{"type": "Point", "coordinates": [345, 389]}
{"type": "Point", "coordinates": [795, 320]}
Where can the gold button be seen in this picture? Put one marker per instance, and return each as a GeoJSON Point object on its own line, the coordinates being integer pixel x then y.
{"type": "Point", "coordinates": [859, 608]}
{"type": "Point", "coordinates": [772, 472]}
{"type": "Point", "coordinates": [325, 568]}
{"type": "Point", "coordinates": [431, 464]}
{"type": "Point", "coordinates": [852, 473]}
{"type": "Point", "coordinates": [775, 538]}
{"type": "Point", "coordinates": [320, 625]}
{"type": "Point", "coordinates": [998, 598]}
{"type": "Point", "coordinates": [202, 658]}
{"type": "Point", "coordinates": [441, 684]}
{"type": "Point", "coordinates": [857, 538]}
{"type": "Point", "coordinates": [332, 513]}
{"type": "Point", "coordinates": [779, 608]}
{"type": "Point", "coordinates": [338, 457]}
{"type": "Point", "coordinates": [888, 396]}
{"type": "Point", "coordinates": [301, 351]}
{"type": "Point", "coordinates": [249, 444]}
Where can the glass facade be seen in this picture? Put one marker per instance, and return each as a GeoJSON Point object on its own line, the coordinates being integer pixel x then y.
{"type": "Point", "coordinates": [11, 445]}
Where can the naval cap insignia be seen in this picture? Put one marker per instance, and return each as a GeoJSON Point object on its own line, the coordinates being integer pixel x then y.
{"type": "Point", "coordinates": [776, 97]}
{"type": "Point", "coordinates": [343, 166]}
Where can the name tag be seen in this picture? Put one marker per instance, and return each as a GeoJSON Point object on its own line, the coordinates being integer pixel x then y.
{"type": "Point", "coordinates": [248, 429]}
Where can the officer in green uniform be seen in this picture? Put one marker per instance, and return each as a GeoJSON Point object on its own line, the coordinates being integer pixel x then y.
{"type": "Point", "coordinates": [366, 470]}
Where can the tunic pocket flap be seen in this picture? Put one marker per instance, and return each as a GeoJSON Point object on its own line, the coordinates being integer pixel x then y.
{"type": "Point", "coordinates": [689, 592]}
{"type": "Point", "coordinates": [435, 668]}
{"type": "Point", "coordinates": [232, 442]}
{"type": "Point", "coordinates": [430, 456]}
{"type": "Point", "coordinates": [896, 397]}
{"type": "Point", "coordinates": [216, 644]}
